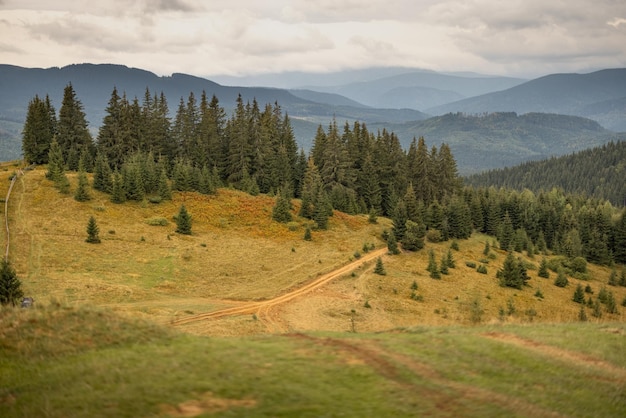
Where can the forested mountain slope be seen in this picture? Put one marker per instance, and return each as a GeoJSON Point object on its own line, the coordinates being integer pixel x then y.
{"type": "Point", "coordinates": [599, 172]}
{"type": "Point", "coordinates": [502, 139]}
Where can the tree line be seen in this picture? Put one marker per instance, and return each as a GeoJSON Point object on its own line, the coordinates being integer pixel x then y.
{"type": "Point", "coordinates": [140, 152]}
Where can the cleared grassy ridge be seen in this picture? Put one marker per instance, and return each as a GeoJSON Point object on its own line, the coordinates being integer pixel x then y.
{"type": "Point", "coordinates": [61, 361]}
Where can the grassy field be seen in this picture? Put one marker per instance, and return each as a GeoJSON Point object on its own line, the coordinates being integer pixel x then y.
{"type": "Point", "coordinates": [61, 361]}
{"type": "Point", "coordinates": [100, 340]}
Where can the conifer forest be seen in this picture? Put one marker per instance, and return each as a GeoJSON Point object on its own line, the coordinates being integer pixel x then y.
{"type": "Point", "coordinates": [141, 152]}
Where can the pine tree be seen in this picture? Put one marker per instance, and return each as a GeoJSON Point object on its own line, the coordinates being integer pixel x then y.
{"type": "Point", "coordinates": [183, 221]}
{"type": "Point", "coordinates": [392, 245]}
{"type": "Point", "coordinates": [163, 186]}
{"type": "Point", "coordinates": [622, 278]}
{"type": "Point", "coordinates": [118, 191]}
{"type": "Point", "coordinates": [82, 191]}
{"type": "Point", "coordinates": [414, 234]}
{"type": "Point", "coordinates": [450, 259]}
{"type": "Point", "coordinates": [543, 269]}
{"type": "Point", "coordinates": [92, 231]}
{"type": "Point", "coordinates": [444, 265]}
{"type": "Point", "coordinates": [613, 278]}
{"type": "Point", "coordinates": [432, 268]}
{"type": "Point", "coordinates": [72, 131]}
{"type": "Point", "coordinates": [56, 164]}
{"type": "Point", "coordinates": [281, 212]}
{"type": "Point", "coordinates": [102, 174]}
{"type": "Point", "coordinates": [307, 234]}
{"type": "Point", "coordinates": [561, 279]}
{"type": "Point", "coordinates": [582, 314]}
{"type": "Point", "coordinates": [399, 220]}
{"type": "Point", "coordinates": [39, 130]}
{"type": "Point", "coordinates": [380, 268]}
{"type": "Point", "coordinates": [579, 294]}
{"type": "Point", "coordinates": [10, 285]}
{"type": "Point", "coordinates": [611, 306]}
{"type": "Point", "coordinates": [513, 273]}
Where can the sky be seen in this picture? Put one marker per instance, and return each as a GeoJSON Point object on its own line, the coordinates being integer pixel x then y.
{"type": "Point", "coordinates": [521, 38]}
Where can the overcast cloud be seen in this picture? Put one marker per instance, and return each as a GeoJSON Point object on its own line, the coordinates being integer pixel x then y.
{"type": "Point", "coordinates": [239, 37]}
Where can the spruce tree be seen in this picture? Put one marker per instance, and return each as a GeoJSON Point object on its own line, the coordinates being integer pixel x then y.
{"type": "Point", "coordinates": [183, 221]}
{"type": "Point", "coordinates": [613, 278]}
{"type": "Point", "coordinates": [307, 234]}
{"type": "Point", "coordinates": [92, 231]}
{"type": "Point", "coordinates": [164, 190]}
{"type": "Point", "coordinates": [118, 192]}
{"type": "Point", "coordinates": [82, 190]}
{"type": "Point", "coordinates": [38, 132]}
{"type": "Point", "coordinates": [72, 131]}
{"type": "Point", "coordinates": [432, 268]}
{"type": "Point", "coordinates": [450, 259]}
{"type": "Point", "coordinates": [10, 285]}
{"type": "Point", "coordinates": [611, 305]}
{"type": "Point", "coordinates": [399, 219]}
{"type": "Point", "coordinates": [392, 245]}
{"type": "Point", "coordinates": [380, 268]}
{"type": "Point", "coordinates": [543, 269]}
{"type": "Point", "coordinates": [579, 294]}
{"type": "Point", "coordinates": [56, 164]}
{"type": "Point", "coordinates": [413, 239]}
{"type": "Point", "coordinates": [582, 314]}
{"type": "Point", "coordinates": [513, 273]}
{"type": "Point", "coordinates": [102, 174]}
{"type": "Point", "coordinates": [281, 212]}
{"type": "Point", "coordinates": [561, 279]}
{"type": "Point", "coordinates": [444, 266]}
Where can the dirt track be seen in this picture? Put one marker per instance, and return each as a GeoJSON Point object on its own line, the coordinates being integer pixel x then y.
{"type": "Point", "coordinates": [264, 309]}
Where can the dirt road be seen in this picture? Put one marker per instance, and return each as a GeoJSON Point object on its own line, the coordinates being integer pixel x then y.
{"type": "Point", "coordinates": [264, 309]}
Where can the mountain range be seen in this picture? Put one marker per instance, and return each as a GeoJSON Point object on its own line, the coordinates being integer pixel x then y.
{"type": "Point", "coordinates": [454, 108]}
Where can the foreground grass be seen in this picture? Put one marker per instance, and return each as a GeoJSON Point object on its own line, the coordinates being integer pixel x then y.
{"type": "Point", "coordinates": [61, 361]}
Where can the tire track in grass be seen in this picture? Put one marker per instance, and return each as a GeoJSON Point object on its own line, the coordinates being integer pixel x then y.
{"type": "Point", "coordinates": [393, 366]}
{"type": "Point", "coordinates": [560, 354]}
{"type": "Point", "coordinates": [264, 309]}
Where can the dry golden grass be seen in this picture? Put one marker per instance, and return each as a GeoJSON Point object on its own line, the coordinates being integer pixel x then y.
{"type": "Point", "coordinates": [237, 254]}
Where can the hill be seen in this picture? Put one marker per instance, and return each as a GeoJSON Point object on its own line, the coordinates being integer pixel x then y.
{"type": "Point", "coordinates": [596, 172]}
{"type": "Point", "coordinates": [143, 268]}
{"type": "Point", "coordinates": [108, 335]}
{"type": "Point", "coordinates": [599, 95]}
{"type": "Point", "coordinates": [504, 139]}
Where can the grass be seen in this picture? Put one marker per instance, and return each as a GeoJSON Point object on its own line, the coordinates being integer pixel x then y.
{"type": "Point", "coordinates": [98, 342]}
{"type": "Point", "coordinates": [58, 361]}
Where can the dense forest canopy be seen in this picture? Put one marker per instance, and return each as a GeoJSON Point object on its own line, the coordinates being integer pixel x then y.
{"type": "Point", "coordinates": [599, 172]}
{"type": "Point", "coordinates": [141, 153]}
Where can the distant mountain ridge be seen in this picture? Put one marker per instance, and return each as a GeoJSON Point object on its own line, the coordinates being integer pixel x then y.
{"type": "Point", "coordinates": [480, 142]}
{"type": "Point", "coordinates": [504, 139]}
{"type": "Point", "coordinates": [600, 96]}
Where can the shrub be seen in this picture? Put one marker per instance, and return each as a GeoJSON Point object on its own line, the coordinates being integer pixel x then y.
{"type": "Point", "coordinates": [482, 269]}
{"type": "Point", "coordinates": [157, 221]}
{"type": "Point", "coordinates": [470, 264]}
{"type": "Point", "coordinates": [433, 235]}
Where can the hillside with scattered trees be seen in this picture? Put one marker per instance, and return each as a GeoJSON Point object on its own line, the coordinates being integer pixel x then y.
{"type": "Point", "coordinates": [140, 154]}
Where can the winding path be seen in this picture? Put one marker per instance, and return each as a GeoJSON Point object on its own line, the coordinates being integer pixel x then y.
{"type": "Point", "coordinates": [263, 308]}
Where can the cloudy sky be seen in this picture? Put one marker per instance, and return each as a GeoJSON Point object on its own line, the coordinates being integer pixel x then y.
{"type": "Point", "coordinates": [240, 37]}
